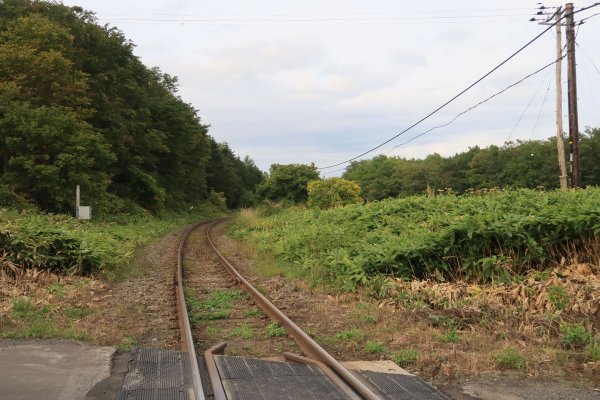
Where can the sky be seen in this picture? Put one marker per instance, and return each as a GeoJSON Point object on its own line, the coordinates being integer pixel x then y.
{"type": "Point", "coordinates": [287, 81]}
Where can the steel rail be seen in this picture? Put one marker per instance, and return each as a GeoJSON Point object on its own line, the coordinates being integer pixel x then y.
{"type": "Point", "coordinates": [337, 381]}
{"type": "Point", "coordinates": [213, 371]}
{"type": "Point", "coordinates": [187, 343]}
{"type": "Point", "coordinates": [305, 342]}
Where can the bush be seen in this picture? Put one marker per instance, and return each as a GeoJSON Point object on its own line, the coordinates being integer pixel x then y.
{"type": "Point", "coordinates": [333, 192]}
{"type": "Point", "coordinates": [480, 237]}
{"type": "Point", "coordinates": [574, 336]}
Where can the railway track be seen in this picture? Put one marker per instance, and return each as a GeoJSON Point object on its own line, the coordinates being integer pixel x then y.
{"type": "Point", "coordinates": [315, 355]}
{"type": "Point", "coordinates": [211, 306]}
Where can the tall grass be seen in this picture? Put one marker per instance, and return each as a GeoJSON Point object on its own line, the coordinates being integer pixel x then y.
{"type": "Point", "coordinates": [476, 236]}
{"type": "Point", "coordinates": [63, 244]}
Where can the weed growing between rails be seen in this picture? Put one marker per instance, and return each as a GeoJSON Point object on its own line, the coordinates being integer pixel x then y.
{"type": "Point", "coordinates": [460, 285]}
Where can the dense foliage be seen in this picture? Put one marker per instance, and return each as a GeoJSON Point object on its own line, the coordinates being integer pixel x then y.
{"type": "Point", "coordinates": [480, 235]}
{"type": "Point", "coordinates": [78, 107]}
{"type": "Point", "coordinates": [63, 244]}
{"type": "Point", "coordinates": [523, 164]}
{"type": "Point", "coordinates": [333, 192]}
{"type": "Point", "coordinates": [288, 182]}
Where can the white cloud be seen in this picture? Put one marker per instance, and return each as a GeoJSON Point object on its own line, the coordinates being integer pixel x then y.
{"type": "Point", "coordinates": [343, 76]}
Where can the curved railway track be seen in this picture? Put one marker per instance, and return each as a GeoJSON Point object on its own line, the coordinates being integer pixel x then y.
{"type": "Point", "coordinates": [314, 355]}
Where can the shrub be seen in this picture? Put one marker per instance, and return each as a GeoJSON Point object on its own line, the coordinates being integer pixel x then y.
{"type": "Point", "coordinates": [509, 358]}
{"type": "Point", "coordinates": [333, 192]}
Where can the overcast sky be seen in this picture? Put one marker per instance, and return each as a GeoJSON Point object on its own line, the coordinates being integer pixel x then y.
{"type": "Point", "coordinates": [322, 81]}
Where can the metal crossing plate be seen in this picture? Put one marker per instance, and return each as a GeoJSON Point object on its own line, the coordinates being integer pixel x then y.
{"type": "Point", "coordinates": [252, 379]}
{"type": "Point", "coordinates": [400, 386]}
{"type": "Point", "coordinates": [156, 374]}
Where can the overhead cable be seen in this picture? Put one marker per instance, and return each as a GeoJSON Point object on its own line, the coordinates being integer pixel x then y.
{"type": "Point", "coordinates": [459, 94]}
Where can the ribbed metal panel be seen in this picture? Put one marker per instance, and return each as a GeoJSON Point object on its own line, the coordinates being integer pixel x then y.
{"type": "Point", "coordinates": [251, 379]}
{"type": "Point", "coordinates": [156, 374]}
{"type": "Point", "coordinates": [152, 394]}
{"type": "Point", "coordinates": [400, 387]}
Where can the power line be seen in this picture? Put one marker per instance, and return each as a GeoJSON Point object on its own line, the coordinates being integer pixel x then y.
{"type": "Point", "coordinates": [587, 56]}
{"type": "Point", "coordinates": [459, 94]}
{"type": "Point", "coordinates": [540, 112]}
{"type": "Point", "coordinates": [484, 101]}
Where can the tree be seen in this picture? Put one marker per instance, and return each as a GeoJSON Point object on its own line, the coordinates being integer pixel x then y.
{"type": "Point", "coordinates": [69, 85]}
{"type": "Point", "coordinates": [288, 182]}
{"type": "Point", "coordinates": [51, 152]}
{"type": "Point", "coordinates": [333, 192]}
{"type": "Point", "coordinates": [590, 156]}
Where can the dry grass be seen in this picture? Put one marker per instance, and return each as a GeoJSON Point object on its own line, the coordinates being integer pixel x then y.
{"type": "Point", "coordinates": [456, 330]}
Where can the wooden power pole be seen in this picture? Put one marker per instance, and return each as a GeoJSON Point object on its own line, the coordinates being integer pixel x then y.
{"type": "Point", "coordinates": [572, 93]}
{"type": "Point", "coordinates": [560, 135]}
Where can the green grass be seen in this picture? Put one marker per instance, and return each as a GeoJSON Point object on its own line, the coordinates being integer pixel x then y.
{"type": "Point", "coordinates": [353, 335]}
{"type": "Point", "coordinates": [480, 237]}
{"type": "Point", "coordinates": [77, 313]}
{"type": "Point", "coordinates": [254, 312]}
{"type": "Point", "coordinates": [592, 352]}
{"type": "Point", "coordinates": [275, 330]}
{"type": "Point", "coordinates": [127, 343]}
{"type": "Point", "coordinates": [219, 305]}
{"type": "Point", "coordinates": [30, 321]}
{"type": "Point", "coordinates": [509, 358]}
{"type": "Point", "coordinates": [63, 244]}
{"type": "Point", "coordinates": [575, 336]}
{"type": "Point", "coordinates": [374, 347]}
{"type": "Point", "coordinates": [243, 332]}
{"type": "Point", "coordinates": [405, 357]}
{"type": "Point", "coordinates": [365, 312]}
{"type": "Point", "coordinates": [213, 330]}
{"type": "Point", "coordinates": [450, 335]}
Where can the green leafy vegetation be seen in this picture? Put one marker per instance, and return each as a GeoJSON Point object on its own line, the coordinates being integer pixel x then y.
{"type": "Point", "coordinates": [450, 335]}
{"type": "Point", "coordinates": [254, 312]}
{"type": "Point", "coordinates": [480, 236]}
{"type": "Point", "coordinates": [405, 357]}
{"type": "Point", "coordinates": [575, 335]}
{"type": "Point", "coordinates": [63, 244]}
{"type": "Point", "coordinates": [592, 352]}
{"type": "Point", "coordinates": [509, 358]}
{"type": "Point", "coordinates": [31, 321]}
{"type": "Point", "coordinates": [374, 347]}
{"type": "Point", "coordinates": [127, 343]}
{"type": "Point", "coordinates": [243, 332]}
{"type": "Point", "coordinates": [275, 330]}
{"type": "Point", "coordinates": [333, 192]}
{"type": "Point", "coordinates": [524, 164]}
{"type": "Point", "coordinates": [218, 305]}
{"type": "Point", "coordinates": [354, 335]}
{"type": "Point", "coordinates": [288, 182]}
{"type": "Point", "coordinates": [77, 107]}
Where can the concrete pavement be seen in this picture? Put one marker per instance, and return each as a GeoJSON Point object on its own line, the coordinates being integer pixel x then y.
{"type": "Point", "coordinates": [56, 369]}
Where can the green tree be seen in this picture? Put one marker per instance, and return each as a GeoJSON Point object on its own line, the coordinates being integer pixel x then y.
{"type": "Point", "coordinates": [333, 192]}
{"type": "Point", "coordinates": [288, 182]}
{"type": "Point", "coordinates": [590, 157]}
{"type": "Point", "coordinates": [51, 152]}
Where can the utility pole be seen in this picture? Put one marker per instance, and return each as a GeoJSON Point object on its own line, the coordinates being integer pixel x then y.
{"type": "Point", "coordinates": [560, 136]}
{"type": "Point", "coordinates": [572, 94]}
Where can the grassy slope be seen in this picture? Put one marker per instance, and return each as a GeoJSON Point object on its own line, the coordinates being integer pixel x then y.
{"type": "Point", "coordinates": [475, 236]}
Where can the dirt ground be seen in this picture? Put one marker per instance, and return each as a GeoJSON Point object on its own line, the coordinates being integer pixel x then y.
{"type": "Point", "coordinates": [436, 345]}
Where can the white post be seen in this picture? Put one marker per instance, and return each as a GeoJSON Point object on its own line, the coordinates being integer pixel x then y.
{"type": "Point", "coordinates": [77, 202]}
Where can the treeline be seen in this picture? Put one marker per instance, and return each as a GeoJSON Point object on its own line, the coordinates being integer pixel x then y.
{"type": "Point", "coordinates": [523, 164]}
{"type": "Point", "coordinates": [77, 107]}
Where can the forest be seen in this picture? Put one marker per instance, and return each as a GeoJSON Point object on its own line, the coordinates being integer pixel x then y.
{"type": "Point", "coordinates": [77, 107]}
{"type": "Point", "coordinates": [517, 164]}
